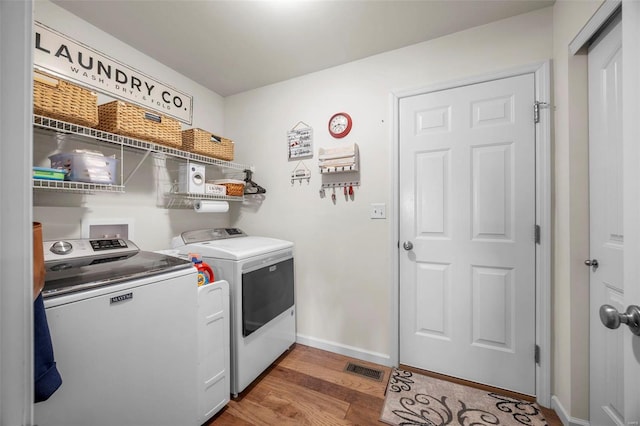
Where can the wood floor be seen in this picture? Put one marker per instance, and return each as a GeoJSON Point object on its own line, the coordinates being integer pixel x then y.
{"type": "Point", "coordinates": [308, 386]}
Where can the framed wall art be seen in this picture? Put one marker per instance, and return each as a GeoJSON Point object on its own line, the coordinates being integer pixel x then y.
{"type": "Point", "coordinates": [300, 141]}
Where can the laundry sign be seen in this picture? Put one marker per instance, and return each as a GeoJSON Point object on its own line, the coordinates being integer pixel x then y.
{"type": "Point", "coordinates": [59, 55]}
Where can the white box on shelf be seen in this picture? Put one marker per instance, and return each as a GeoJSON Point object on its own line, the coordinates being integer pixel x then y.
{"type": "Point", "coordinates": [191, 178]}
{"type": "Point", "coordinates": [213, 189]}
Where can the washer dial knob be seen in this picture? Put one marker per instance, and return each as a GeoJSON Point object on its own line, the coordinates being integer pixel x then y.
{"type": "Point", "coordinates": [61, 247]}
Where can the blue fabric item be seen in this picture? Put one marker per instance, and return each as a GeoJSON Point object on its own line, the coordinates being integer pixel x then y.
{"type": "Point", "coordinates": [46, 376]}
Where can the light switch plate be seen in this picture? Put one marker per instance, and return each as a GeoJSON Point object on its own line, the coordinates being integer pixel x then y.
{"type": "Point", "coordinates": [378, 211]}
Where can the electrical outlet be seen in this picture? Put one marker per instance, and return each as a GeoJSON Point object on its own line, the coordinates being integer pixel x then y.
{"type": "Point", "coordinates": [378, 211]}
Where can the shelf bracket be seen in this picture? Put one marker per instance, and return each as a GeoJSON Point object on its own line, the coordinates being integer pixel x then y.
{"type": "Point", "coordinates": [144, 157]}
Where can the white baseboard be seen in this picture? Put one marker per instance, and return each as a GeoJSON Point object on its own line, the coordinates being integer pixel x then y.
{"type": "Point", "coordinates": [564, 416]}
{"type": "Point", "coordinates": [345, 350]}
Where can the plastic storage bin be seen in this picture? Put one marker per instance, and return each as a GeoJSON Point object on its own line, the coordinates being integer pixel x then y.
{"type": "Point", "coordinates": [86, 166]}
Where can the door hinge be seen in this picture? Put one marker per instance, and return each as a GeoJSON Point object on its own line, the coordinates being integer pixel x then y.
{"type": "Point", "coordinates": [536, 354]}
{"type": "Point", "coordinates": [536, 110]}
{"type": "Point", "coordinates": [536, 233]}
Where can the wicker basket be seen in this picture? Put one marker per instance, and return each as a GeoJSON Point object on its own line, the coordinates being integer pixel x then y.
{"type": "Point", "coordinates": [130, 120]}
{"type": "Point", "coordinates": [235, 188]}
{"type": "Point", "coordinates": [202, 142]}
{"type": "Point", "coordinates": [59, 99]}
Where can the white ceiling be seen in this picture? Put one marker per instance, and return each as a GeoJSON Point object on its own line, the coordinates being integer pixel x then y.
{"type": "Point", "coordinates": [231, 46]}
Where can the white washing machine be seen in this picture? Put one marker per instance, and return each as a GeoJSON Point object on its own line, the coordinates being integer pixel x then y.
{"type": "Point", "coordinates": [123, 328]}
{"type": "Point", "coordinates": [260, 274]}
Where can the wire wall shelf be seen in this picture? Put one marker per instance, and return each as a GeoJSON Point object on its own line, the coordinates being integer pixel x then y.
{"type": "Point", "coordinates": [177, 200]}
{"type": "Point", "coordinates": [78, 187]}
{"type": "Point", "coordinates": [99, 135]}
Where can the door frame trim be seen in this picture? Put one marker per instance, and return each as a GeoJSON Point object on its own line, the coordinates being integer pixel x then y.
{"type": "Point", "coordinates": [16, 245]}
{"type": "Point", "coordinates": [631, 175]}
{"type": "Point", "coordinates": [542, 78]}
{"type": "Point", "coordinates": [595, 24]}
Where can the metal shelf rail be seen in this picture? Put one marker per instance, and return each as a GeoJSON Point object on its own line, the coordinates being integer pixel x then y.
{"type": "Point", "coordinates": [183, 200]}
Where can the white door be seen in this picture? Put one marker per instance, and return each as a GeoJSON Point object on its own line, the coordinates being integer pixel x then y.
{"type": "Point", "coordinates": [467, 216]}
{"type": "Point", "coordinates": [606, 225]}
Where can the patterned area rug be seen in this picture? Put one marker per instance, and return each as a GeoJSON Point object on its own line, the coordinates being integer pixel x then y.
{"type": "Point", "coordinates": [414, 399]}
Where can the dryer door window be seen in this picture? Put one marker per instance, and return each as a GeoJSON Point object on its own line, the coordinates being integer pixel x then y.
{"type": "Point", "coordinates": [266, 293]}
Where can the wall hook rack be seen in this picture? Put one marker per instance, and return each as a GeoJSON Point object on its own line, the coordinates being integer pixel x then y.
{"type": "Point", "coordinates": [300, 172]}
{"type": "Point", "coordinates": [340, 184]}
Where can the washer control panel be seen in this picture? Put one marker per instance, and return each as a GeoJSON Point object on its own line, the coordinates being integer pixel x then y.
{"type": "Point", "coordinates": [73, 249]}
{"type": "Point", "coordinates": [202, 235]}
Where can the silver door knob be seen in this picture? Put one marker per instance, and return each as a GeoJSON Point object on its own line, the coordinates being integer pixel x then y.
{"type": "Point", "coordinates": [592, 262]}
{"type": "Point", "coordinates": [611, 318]}
{"type": "Point", "coordinates": [407, 245]}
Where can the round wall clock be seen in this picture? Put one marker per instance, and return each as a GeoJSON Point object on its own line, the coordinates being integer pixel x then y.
{"type": "Point", "coordinates": [340, 125]}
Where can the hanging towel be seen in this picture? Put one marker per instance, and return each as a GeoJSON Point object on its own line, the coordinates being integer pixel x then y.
{"type": "Point", "coordinates": [46, 376]}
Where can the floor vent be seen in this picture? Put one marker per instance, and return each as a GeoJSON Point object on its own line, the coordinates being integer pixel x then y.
{"type": "Point", "coordinates": [370, 373]}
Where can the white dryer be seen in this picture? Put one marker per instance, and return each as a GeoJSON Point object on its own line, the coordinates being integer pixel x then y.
{"type": "Point", "coordinates": [260, 273]}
